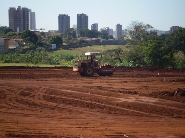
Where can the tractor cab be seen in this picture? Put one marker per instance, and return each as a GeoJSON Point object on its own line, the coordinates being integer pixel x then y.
{"type": "Point", "coordinates": [92, 56]}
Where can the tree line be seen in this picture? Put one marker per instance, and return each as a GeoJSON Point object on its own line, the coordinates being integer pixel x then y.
{"type": "Point", "coordinates": [146, 48]}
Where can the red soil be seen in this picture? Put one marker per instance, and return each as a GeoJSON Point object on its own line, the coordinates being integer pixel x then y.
{"type": "Point", "coordinates": [56, 102]}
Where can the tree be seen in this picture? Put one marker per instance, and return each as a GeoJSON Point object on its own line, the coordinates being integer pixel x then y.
{"type": "Point", "coordinates": [111, 37]}
{"type": "Point", "coordinates": [55, 40]}
{"type": "Point", "coordinates": [104, 34]}
{"type": "Point", "coordinates": [176, 41]}
{"type": "Point", "coordinates": [29, 37]}
{"type": "Point", "coordinates": [156, 54]}
{"type": "Point", "coordinates": [136, 55]}
{"type": "Point", "coordinates": [11, 35]}
{"type": "Point", "coordinates": [4, 30]}
{"type": "Point", "coordinates": [89, 33]}
{"type": "Point", "coordinates": [93, 34]}
{"type": "Point", "coordinates": [139, 31]}
{"type": "Point", "coordinates": [43, 34]}
{"type": "Point", "coordinates": [69, 34]}
{"type": "Point", "coordinates": [19, 49]}
{"type": "Point", "coordinates": [84, 32]}
{"type": "Point", "coordinates": [113, 56]}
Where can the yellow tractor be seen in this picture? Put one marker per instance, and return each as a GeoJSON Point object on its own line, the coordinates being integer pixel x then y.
{"type": "Point", "coordinates": [89, 66]}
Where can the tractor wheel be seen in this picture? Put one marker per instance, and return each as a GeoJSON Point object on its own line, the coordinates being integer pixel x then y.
{"type": "Point", "coordinates": [89, 71]}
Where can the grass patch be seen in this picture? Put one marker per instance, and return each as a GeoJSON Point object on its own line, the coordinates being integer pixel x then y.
{"type": "Point", "coordinates": [65, 57]}
{"type": "Point", "coordinates": [81, 50]}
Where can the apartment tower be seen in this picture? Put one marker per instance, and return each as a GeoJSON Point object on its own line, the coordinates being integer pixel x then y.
{"type": "Point", "coordinates": [82, 22]}
{"type": "Point", "coordinates": [94, 26]}
{"type": "Point", "coordinates": [32, 22]}
{"type": "Point", "coordinates": [19, 19]}
{"type": "Point", "coordinates": [118, 31]}
{"type": "Point", "coordinates": [63, 23]}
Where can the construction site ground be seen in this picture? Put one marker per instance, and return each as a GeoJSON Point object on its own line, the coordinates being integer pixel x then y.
{"type": "Point", "coordinates": [57, 102]}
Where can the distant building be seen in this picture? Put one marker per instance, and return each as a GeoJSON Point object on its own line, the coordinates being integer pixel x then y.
{"type": "Point", "coordinates": [125, 33]}
{"type": "Point", "coordinates": [167, 32]}
{"type": "Point", "coordinates": [21, 19]}
{"type": "Point", "coordinates": [32, 20]}
{"type": "Point", "coordinates": [111, 32]}
{"type": "Point", "coordinates": [94, 26]}
{"type": "Point", "coordinates": [82, 22]}
{"type": "Point", "coordinates": [63, 23]}
{"type": "Point", "coordinates": [118, 31]}
{"type": "Point", "coordinates": [53, 31]}
{"type": "Point", "coordinates": [153, 32]}
{"type": "Point", "coordinates": [75, 27]}
{"type": "Point", "coordinates": [4, 45]}
{"type": "Point", "coordinates": [159, 33]}
{"type": "Point", "coordinates": [106, 29]}
{"type": "Point", "coordinates": [174, 28]}
{"type": "Point", "coordinates": [114, 34]}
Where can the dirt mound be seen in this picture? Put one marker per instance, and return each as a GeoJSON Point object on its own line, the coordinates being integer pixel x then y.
{"type": "Point", "coordinates": [176, 95]}
{"type": "Point", "coordinates": [179, 92]}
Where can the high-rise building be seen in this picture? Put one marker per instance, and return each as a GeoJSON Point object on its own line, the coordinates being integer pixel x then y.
{"type": "Point", "coordinates": [118, 31]}
{"type": "Point", "coordinates": [26, 21]}
{"type": "Point", "coordinates": [19, 19]}
{"type": "Point", "coordinates": [32, 21]}
{"type": "Point", "coordinates": [174, 28]}
{"type": "Point", "coordinates": [63, 23]}
{"type": "Point", "coordinates": [94, 26]}
{"type": "Point", "coordinates": [111, 32]}
{"type": "Point", "coordinates": [12, 13]}
{"type": "Point", "coordinates": [82, 22]}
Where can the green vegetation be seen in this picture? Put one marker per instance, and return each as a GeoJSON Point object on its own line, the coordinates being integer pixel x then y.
{"type": "Point", "coordinates": [143, 48]}
{"type": "Point", "coordinates": [41, 57]}
{"type": "Point", "coordinates": [4, 30]}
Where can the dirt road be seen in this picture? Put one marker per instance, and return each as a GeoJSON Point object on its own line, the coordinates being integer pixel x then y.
{"type": "Point", "coordinates": [56, 102]}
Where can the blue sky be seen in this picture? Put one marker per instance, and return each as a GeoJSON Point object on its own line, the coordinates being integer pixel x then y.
{"type": "Point", "coordinates": [161, 14]}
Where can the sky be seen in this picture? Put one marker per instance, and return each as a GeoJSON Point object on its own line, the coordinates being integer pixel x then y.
{"type": "Point", "coordinates": [161, 14]}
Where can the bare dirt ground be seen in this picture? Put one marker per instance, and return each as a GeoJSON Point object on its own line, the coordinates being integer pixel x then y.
{"type": "Point", "coordinates": [56, 102]}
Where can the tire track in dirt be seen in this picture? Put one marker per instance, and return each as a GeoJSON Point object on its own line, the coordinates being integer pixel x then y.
{"type": "Point", "coordinates": [110, 92]}
{"type": "Point", "coordinates": [29, 97]}
{"type": "Point", "coordinates": [141, 107]}
{"type": "Point", "coordinates": [118, 97]}
{"type": "Point", "coordinates": [58, 96]}
{"type": "Point", "coordinates": [22, 98]}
